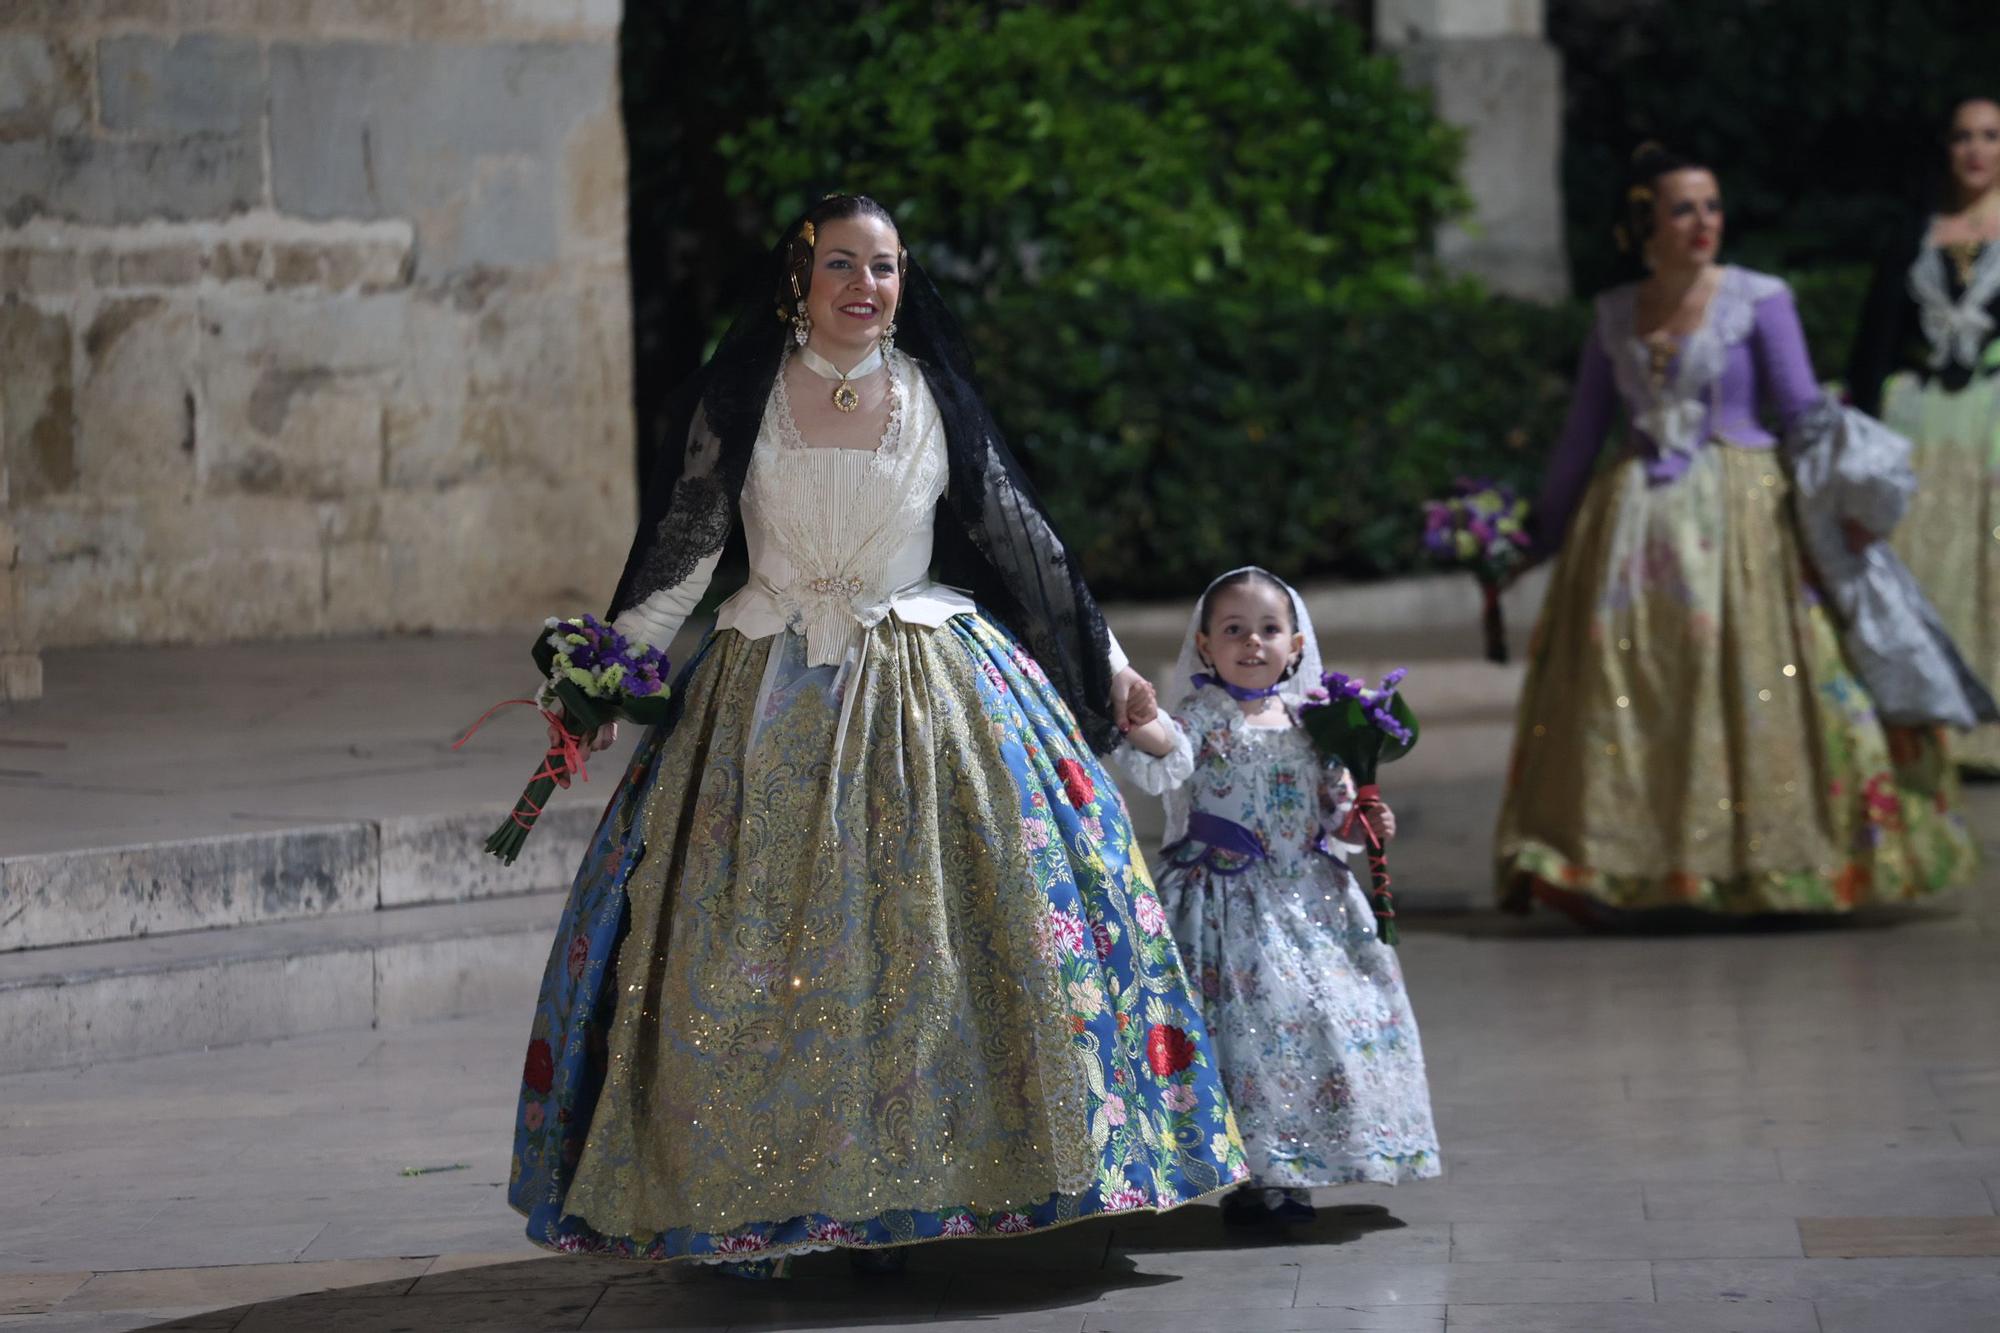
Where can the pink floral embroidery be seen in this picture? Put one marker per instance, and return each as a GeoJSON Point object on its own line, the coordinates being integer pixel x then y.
{"type": "Point", "coordinates": [1114, 1109]}
{"type": "Point", "coordinates": [748, 1242]}
{"type": "Point", "coordinates": [1179, 1097]}
{"type": "Point", "coordinates": [833, 1233]}
{"type": "Point", "coordinates": [1012, 1224]}
{"type": "Point", "coordinates": [1066, 929]}
{"type": "Point", "coordinates": [958, 1224]}
{"type": "Point", "coordinates": [1152, 918]}
{"type": "Point", "coordinates": [1124, 1199]}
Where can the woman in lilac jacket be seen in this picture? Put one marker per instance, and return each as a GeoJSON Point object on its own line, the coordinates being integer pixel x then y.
{"type": "Point", "coordinates": [1692, 733]}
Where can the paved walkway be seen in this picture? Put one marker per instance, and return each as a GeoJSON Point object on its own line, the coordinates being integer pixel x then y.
{"type": "Point", "coordinates": [1780, 1131]}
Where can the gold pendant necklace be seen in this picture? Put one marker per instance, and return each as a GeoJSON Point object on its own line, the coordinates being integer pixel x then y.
{"type": "Point", "coordinates": [845, 399]}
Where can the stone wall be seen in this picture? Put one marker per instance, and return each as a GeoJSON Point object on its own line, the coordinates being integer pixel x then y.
{"type": "Point", "coordinates": [313, 317]}
{"type": "Point", "coordinates": [1494, 75]}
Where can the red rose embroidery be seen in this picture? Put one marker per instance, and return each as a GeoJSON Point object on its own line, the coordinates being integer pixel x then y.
{"type": "Point", "coordinates": [540, 1073]}
{"type": "Point", "coordinates": [1100, 936]}
{"type": "Point", "coordinates": [1168, 1050]}
{"type": "Point", "coordinates": [1076, 783]}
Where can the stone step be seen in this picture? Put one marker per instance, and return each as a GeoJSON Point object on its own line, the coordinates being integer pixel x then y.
{"type": "Point", "coordinates": [89, 1002]}
{"type": "Point", "coordinates": [90, 895]}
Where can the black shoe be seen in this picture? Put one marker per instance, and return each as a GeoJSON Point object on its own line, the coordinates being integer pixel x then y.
{"type": "Point", "coordinates": [1291, 1207]}
{"type": "Point", "coordinates": [752, 1270]}
{"type": "Point", "coordinates": [1245, 1208]}
{"type": "Point", "coordinates": [886, 1262]}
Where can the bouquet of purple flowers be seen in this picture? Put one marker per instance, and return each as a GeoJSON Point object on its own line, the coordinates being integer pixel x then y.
{"type": "Point", "coordinates": [1363, 729]}
{"type": "Point", "coordinates": [593, 676]}
{"type": "Point", "coordinates": [1482, 526]}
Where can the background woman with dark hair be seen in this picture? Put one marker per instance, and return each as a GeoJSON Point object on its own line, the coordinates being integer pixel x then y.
{"type": "Point", "coordinates": [864, 953]}
{"type": "Point", "coordinates": [1692, 733]}
{"type": "Point", "coordinates": [1927, 360]}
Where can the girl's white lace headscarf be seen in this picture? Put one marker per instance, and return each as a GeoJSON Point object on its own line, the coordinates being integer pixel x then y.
{"type": "Point", "coordinates": [1292, 690]}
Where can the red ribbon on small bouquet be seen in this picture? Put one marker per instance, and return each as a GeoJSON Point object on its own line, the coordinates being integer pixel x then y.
{"type": "Point", "coordinates": [1363, 729]}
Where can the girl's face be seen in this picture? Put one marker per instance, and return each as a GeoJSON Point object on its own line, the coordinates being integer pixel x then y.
{"type": "Point", "coordinates": [857, 282]}
{"type": "Point", "coordinates": [1250, 639]}
{"type": "Point", "coordinates": [1975, 148]}
{"type": "Point", "coordinates": [1687, 219]}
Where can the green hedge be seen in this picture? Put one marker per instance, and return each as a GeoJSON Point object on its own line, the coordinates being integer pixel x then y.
{"type": "Point", "coordinates": [1123, 149]}
{"type": "Point", "coordinates": [1171, 445]}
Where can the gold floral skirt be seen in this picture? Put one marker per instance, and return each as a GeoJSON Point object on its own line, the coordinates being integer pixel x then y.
{"type": "Point", "coordinates": [1950, 538]}
{"type": "Point", "coordinates": [1689, 733]}
{"type": "Point", "coordinates": [862, 955]}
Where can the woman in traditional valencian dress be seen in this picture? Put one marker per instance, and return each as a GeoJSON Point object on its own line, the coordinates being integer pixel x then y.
{"type": "Point", "coordinates": [863, 953]}
{"type": "Point", "coordinates": [1927, 361]}
{"type": "Point", "coordinates": [1698, 729]}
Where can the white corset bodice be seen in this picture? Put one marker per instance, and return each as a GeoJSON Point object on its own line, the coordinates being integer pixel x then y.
{"type": "Point", "coordinates": [839, 538]}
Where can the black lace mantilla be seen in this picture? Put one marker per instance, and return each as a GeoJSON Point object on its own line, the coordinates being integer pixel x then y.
{"type": "Point", "coordinates": [993, 538]}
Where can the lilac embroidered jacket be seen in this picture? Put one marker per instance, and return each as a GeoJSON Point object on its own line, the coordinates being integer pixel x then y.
{"type": "Point", "coordinates": [1749, 351]}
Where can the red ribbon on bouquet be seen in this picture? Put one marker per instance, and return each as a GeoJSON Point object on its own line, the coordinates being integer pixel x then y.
{"type": "Point", "coordinates": [563, 759]}
{"type": "Point", "coordinates": [1367, 801]}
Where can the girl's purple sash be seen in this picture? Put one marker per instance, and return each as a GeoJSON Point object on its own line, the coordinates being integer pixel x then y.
{"type": "Point", "coordinates": [1227, 847]}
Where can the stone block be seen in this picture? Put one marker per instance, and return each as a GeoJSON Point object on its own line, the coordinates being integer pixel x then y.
{"type": "Point", "coordinates": [453, 570]}
{"type": "Point", "coordinates": [199, 884]}
{"type": "Point", "coordinates": [422, 981]}
{"type": "Point", "coordinates": [308, 433]}
{"type": "Point", "coordinates": [44, 86]}
{"type": "Point", "coordinates": [357, 586]}
{"type": "Point", "coordinates": [113, 1015]}
{"type": "Point", "coordinates": [239, 259]}
{"type": "Point", "coordinates": [294, 392]}
{"type": "Point", "coordinates": [439, 859]}
{"type": "Point", "coordinates": [594, 190]}
{"type": "Point", "coordinates": [114, 182]}
{"type": "Point", "coordinates": [175, 570]}
{"type": "Point", "coordinates": [1506, 94]}
{"type": "Point", "coordinates": [135, 419]}
{"type": "Point", "coordinates": [37, 429]}
{"type": "Point", "coordinates": [369, 265]}
{"type": "Point", "coordinates": [486, 19]}
{"type": "Point", "coordinates": [28, 269]}
{"type": "Point", "coordinates": [464, 138]}
{"type": "Point", "coordinates": [172, 264]}
{"type": "Point", "coordinates": [20, 677]}
{"type": "Point", "coordinates": [1398, 22]}
{"type": "Point", "coordinates": [203, 83]}
{"type": "Point", "coordinates": [532, 382]}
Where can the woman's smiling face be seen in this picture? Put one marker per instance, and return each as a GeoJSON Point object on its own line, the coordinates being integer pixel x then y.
{"type": "Point", "coordinates": [857, 282]}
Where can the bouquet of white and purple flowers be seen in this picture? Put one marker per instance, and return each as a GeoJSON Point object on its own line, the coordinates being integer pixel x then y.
{"type": "Point", "coordinates": [1363, 729]}
{"type": "Point", "coordinates": [1481, 526]}
{"type": "Point", "coordinates": [592, 676]}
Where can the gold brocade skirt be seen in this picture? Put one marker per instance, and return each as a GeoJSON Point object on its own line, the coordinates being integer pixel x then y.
{"type": "Point", "coordinates": [862, 955]}
{"type": "Point", "coordinates": [1950, 538]}
{"type": "Point", "coordinates": [1689, 733]}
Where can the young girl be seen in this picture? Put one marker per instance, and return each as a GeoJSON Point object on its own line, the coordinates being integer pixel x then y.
{"type": "Point", "coordinates": [1313, 1029]}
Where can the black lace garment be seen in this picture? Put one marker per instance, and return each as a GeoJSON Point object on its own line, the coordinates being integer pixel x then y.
{"type": "Point", "coordinates": [1891, 337]}
{"type": "Point", "coordinates": [993, 537]}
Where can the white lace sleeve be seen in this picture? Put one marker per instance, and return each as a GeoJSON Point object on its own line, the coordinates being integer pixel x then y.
{"type": "Point", "coordinates": [656, 620]}
{"type": "Point", "coordinates": [1119, 661]}
{"type": "Point", "coordinates": [1156, 775]}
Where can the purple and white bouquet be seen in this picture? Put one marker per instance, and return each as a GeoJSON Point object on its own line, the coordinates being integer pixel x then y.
{"type": "Point", "coordinates": [1363, 729]}
{"type": "Point", "coordinates": [1481, 526]}
{"type": "Point", "coordinates": [592, 676]}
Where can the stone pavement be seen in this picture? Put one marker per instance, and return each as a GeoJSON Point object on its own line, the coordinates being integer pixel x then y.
{"type": "Point", "coordinates": [1776, 1131]}
{"type": "Point", "coordinates": [1787, 1130]}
